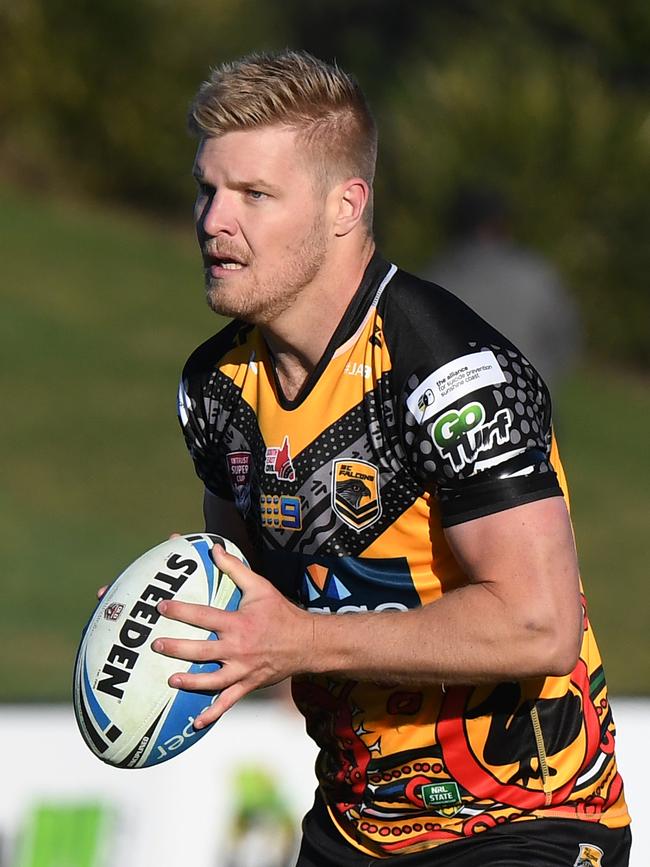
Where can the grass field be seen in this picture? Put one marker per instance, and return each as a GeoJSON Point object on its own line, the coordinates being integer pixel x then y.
{"type": "Point", "coordinates": [99, 312]}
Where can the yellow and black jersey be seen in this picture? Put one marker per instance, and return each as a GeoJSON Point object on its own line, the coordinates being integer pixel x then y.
{"type": "Point", "coordinates": [419, 416]}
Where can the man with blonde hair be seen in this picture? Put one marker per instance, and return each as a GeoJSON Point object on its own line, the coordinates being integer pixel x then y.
{"type": "Point", "coordinates": [382, 454]}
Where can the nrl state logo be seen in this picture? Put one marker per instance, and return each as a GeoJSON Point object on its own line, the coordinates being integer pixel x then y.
{"type": "Point", "coordinates": [355, 493]}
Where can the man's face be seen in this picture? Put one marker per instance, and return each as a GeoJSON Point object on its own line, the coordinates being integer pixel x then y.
{"type": "Point", "coordinates": [261, 221]}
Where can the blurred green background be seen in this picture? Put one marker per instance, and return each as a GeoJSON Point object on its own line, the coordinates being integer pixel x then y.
{"type": "Point", "coordinates": [102, 288]}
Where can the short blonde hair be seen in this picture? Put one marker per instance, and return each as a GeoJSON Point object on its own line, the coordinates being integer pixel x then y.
{"type": "Point", "coordinates": [292, 88]}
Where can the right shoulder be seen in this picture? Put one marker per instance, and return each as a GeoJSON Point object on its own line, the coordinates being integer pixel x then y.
{"type": "Point", "coordinates": [208, 394]}
{"type": "Point", "coordinates": [220, 349]}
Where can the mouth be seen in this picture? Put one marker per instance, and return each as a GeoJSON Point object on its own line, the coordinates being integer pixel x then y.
{"type": "Point", "coordinates": [217, 265]}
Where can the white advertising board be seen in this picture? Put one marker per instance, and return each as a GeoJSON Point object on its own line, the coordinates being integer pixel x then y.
{"type": "Point", "coordinates": [181, 812]}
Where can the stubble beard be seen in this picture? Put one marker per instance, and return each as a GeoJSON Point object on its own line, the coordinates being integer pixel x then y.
{"type": "Point", "coordinates": [260, 302]}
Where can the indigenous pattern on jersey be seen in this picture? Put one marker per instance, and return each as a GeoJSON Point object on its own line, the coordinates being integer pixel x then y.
{"type": "Point", "coordinates": [418, 417]}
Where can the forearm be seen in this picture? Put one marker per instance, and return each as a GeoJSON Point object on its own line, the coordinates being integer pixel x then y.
{"type": "Point", "coordinates": [468, 636]}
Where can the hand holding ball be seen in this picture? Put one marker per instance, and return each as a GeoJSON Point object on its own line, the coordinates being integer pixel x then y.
{"type": "Point", "coordinates": [127, 713]}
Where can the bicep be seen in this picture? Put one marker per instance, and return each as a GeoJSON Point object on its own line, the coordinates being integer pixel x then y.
{"type": "Point", "coordinates": [526, 556]}
{"type": "Point", "coordinates": [221, 517]}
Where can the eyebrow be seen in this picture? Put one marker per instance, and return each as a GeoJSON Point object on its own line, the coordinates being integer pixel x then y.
{"type": "Point", "coordinates": [252, 184]}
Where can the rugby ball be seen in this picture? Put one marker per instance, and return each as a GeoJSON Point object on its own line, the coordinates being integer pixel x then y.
{"type": "Point", "coordinates": [127, 713]}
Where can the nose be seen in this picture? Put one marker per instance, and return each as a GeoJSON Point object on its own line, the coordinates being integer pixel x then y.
{"type": "Point", "coordinates": [215, 215]}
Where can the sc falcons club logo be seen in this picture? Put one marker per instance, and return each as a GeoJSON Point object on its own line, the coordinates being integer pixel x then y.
{"type": "Point", "coordinates": [355, 493]}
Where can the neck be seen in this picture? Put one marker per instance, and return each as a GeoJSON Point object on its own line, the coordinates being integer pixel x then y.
{"type": "Point", "coordinates": [299, 336]}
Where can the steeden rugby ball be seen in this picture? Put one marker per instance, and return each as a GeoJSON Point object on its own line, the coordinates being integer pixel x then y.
{"type": "Point", "coordinates": [126, 711]}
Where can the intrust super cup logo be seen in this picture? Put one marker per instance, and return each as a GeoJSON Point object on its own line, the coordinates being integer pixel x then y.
{"type": "Point", "coordinates": [240, 466]}
{"type": "Point", "coordinates": [355, 493]}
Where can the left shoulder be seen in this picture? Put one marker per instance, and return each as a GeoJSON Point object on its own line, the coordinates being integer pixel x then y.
{"type": "Point", "coordinates": [433, 322]}
{"type": "Point", "coordinates": [432, 335]}
{"type": "Point", "coordinates": [475, 415]}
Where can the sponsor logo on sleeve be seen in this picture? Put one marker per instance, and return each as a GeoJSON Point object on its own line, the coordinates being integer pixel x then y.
{"type": "Point", "coordinates": [426, 399]}
{"type": "Point", "coordinates": [452, 381]}
{"type": "Point", "coordinates": [239, 470]}
{"type": "Point", "coordinates": [461, 435]}
{"type": "Point", "coordinates": [278, 462]}
{"type": "Point", "coordinates": [355, 493]}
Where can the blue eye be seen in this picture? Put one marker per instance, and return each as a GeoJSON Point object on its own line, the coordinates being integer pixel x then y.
{"type": "Point", "coordinates": [256, 195]}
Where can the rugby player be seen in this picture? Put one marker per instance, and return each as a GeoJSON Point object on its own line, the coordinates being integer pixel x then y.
{"type": "Point", "coordinates": [386, 460]}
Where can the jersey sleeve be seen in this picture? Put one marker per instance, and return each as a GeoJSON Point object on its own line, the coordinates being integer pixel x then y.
{"type": "Point", "coordinates": [205, 400]}
{"type": "Point", "coordinates": [475, 414]}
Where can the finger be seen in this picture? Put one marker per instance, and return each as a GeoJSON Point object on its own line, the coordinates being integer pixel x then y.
{"type": "Point", "coordinates": [102, 590]}
{"type": "Point", "coordinates": [229, 697]}
{"type": "Point", "coordinates": [204, 616]}
{"type": "Point", "coordinates": [212, 681]}
{"type": "Point", "coordinates": [189, 649]}
{"type": "Point", "coordinates": [241, 574]}
{"type": "Point", "coordinates": [175, 536]}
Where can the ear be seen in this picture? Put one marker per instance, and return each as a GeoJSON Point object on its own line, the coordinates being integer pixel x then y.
{"type": "Point", "coordinates": [352, 197]}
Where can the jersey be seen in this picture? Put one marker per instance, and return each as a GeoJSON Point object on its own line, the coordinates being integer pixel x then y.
{"type": "Point", "coordinates": [419, 416]}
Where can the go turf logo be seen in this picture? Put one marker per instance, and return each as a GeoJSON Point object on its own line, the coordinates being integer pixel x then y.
{"type": "Point", "coordinates": [461, 435]}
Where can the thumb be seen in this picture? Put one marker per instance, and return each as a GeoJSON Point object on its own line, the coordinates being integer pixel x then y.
{"type": "Point", "coordinates": [239, 572]}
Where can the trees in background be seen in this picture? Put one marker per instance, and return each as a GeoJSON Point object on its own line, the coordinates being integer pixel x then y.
{"type": "Point", "coordinates": [544, 100]}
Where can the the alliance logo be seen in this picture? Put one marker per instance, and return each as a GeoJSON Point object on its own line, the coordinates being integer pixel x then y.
{"type": "Point", "coordinates": [355, 493]}
{"type": "Point", "coordinates": [426, 399]}
{"type": "Point", "coordinates": [278, 462]}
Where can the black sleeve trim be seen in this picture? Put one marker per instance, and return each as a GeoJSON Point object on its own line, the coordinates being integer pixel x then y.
{"type": "Point", "coordinates": [495, 496]}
